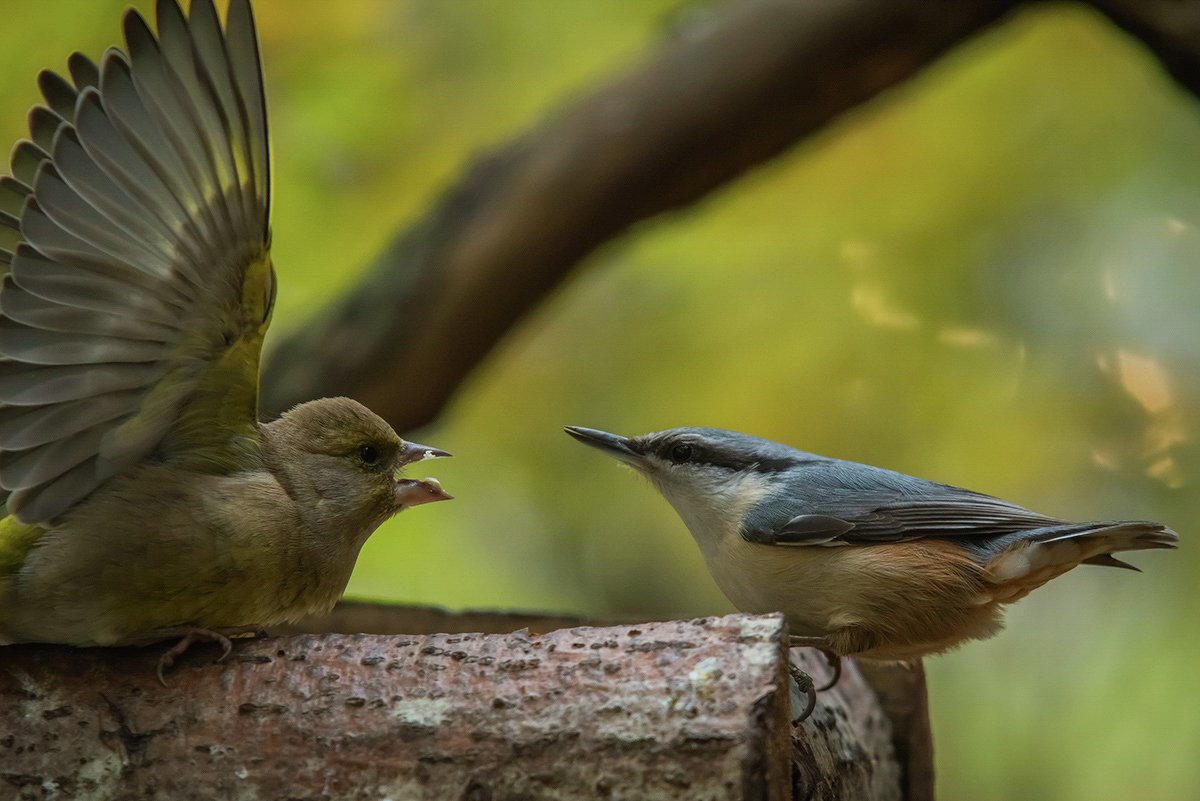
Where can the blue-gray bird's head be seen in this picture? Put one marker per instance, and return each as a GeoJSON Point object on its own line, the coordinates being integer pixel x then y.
{"type": "Point", "coordinates": [712, 477]}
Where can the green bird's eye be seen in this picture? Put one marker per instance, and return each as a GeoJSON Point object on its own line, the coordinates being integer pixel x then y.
{"type": "Point", "coordinates": [368, 453]}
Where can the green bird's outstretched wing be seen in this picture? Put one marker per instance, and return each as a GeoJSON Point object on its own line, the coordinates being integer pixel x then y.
{"type": "Point", "coordinates": [134, 236]}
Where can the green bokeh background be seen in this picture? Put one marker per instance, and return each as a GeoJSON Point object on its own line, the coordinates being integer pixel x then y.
{"type": "Point", "coordinates": [990, 277]}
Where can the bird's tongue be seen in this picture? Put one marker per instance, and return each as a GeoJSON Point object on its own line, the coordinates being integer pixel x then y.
{"type": "Point", "coordinates": [411, 492]}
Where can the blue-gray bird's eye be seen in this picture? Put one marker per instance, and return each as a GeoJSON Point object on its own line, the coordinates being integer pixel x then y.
{"type": "Point", "coordinates": [368, 453]}
{"type": "Point", "coordinates": [680, 452]}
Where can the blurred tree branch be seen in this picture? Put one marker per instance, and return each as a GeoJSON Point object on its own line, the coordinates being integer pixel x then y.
{"type": "Point", "coordinates": [1169, 28]}
{"type": "Point", "coordinates": [728, 93]}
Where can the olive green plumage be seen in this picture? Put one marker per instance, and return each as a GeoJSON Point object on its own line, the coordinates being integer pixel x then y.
{"type": "Point", "coordinates": [143, 494]}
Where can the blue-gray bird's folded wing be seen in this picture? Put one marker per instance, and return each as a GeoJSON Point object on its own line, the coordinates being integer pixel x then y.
{"type": "Point", "coordinates": [134, 236]}
{"type": "Point", "coordinates": [872, 517]}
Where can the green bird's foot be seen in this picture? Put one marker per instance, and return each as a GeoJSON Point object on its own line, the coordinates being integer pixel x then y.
{"type": "Point", "coordinates": [194, 635]}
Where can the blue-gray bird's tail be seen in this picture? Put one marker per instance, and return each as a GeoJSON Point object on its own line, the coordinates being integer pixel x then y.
{"type": "Point", "coordinates": [1135, 535]}
{"type": "Point", "coordinates": [1027, 559]}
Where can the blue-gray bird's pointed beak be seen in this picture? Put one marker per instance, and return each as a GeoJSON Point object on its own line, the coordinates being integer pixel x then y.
{"type": "Point", "coordinates": [612, 444]}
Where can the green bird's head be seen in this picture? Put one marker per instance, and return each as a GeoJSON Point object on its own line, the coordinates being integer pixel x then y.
{"type": "Point", "coordinates": [347, 465]}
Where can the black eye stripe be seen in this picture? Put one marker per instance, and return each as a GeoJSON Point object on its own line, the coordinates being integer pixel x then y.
{"type": "Point", "coordinates": [715, 456]}
{"type": "Point", "coordinates": [740, 462]}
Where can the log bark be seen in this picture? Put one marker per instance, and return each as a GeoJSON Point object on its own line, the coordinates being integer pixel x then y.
{"type": "Point", "coordinates": [695, 709]}
{"type": "Point", "coordinates": [899, 688]}
{"type": "Point", "coordinates": [904, 697]}
{"type": "Point", "coordinates": [719, 98]}
{"type": "Point", "coordinates": [365, 617]}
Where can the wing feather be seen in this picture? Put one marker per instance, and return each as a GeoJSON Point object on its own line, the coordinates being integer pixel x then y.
{"type": "Point", "coordinates": [963, 513]}
{"type": "Point", "coordinates": [134, 232]}
{"type": "Point", "coordinates": [84, 72]}
{"type": "Point", "coordinates": [214, 74]}
{"type": "Point", "coordinates": [163, 98]}
{"type": "Point", "coordinates": [25, 160]}
{"type": "Point", "coordinates": [182, 55]}
{"type": "Point", "coordinates": [135, 144]}
{"type": "Point", "coordinates": [36, 312]}
{"type": "Point", "coordinates": [112, 200]}
{"type": "Point", "coordinates": [44, 501]}
{"type": "Point", "coordinates": [58, 92]}
{"type": "Point", "coordinates": [28, 385]}
{"type": "Point", "coordinates": [98, 285]}
{"type": "Point", "coordinates": [73, 214]}
{"type": "Point", "coordinates": [29, 426]}
{"type": "Point", "coordinates": [43, 125]}
{"type": "Point", "coordinates": [12, 199]}
{"type": "Point", "coordinates": [245, 65]}
{"type": "Point", "coordinates": [843, 503]}
{"type": "Point", "coordinates": [900, 519]}
{"type": "Point", "coordinates": [29, 468]}
{"type": "Point", "coordinates": [29, 345]}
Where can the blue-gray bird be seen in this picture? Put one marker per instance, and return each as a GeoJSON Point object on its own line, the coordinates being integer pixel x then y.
{"type": "Point", "coordinates": [144, 498]}
{"type": "Point", "coordinates": [864, 561]}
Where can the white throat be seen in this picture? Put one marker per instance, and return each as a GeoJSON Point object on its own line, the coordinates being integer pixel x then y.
{"type": "Point", "coordinates": [712, 510]}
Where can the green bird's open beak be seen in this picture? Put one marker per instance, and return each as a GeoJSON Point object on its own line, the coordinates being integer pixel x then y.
{"type": "Point", "coordinates": [413, 452]}
{"type": "Point", "coordinates": [411, 492]}
{"type": "Point", "coordinates": [414, 492]}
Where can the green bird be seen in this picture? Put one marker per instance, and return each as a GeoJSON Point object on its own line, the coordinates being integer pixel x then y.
{"type": "Point", "coordinates": [145, 501]}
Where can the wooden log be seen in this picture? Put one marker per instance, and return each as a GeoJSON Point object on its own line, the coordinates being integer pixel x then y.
{"type": "Point", "coordinates": [366, 617]}
{"type": "Point", "coordinates": [899, 688]}
{"type": "Point", "coordinates": [904, 697]}
{"type": "Point", "coordinates": [695, 709]}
